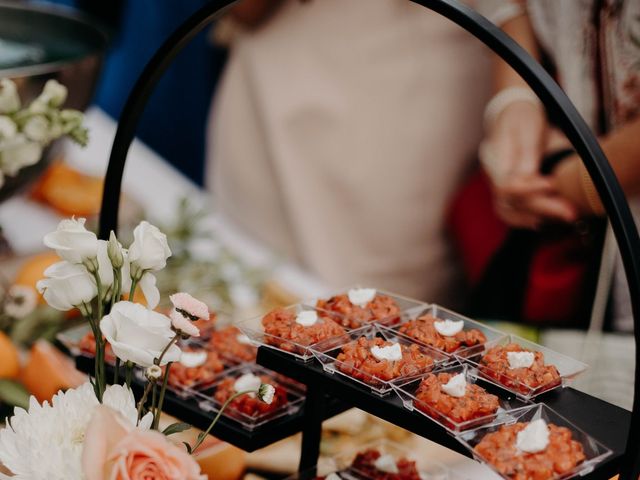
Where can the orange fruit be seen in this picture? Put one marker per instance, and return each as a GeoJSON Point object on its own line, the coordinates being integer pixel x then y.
{"type": "Point", "coordinates": [69, 191]}
{"type": "Point", "coordinates": [33, 269]}
{"type": "Point", "coordinates": [9, 358]}
{"type": "Point", "coordinates": [49, 370]}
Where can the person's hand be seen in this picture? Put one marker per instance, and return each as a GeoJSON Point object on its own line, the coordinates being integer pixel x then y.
{"type": "Point", "coordinates": [511, 155]}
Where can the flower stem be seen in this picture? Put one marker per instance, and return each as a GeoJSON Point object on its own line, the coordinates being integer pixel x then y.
{"type": "Point", "coordinates": [143, 400]}
{"type": "Point", "coordinates": [116, 371]}
{"type": "Point", "coordinates": [132, 291]}
{"type": "Point", "coordinates": [166, 349]}
{"type": "Point", "coordinates": [128, 373]}
{"type": "Point", "coordinates": [163, 390]}
{"type": "Point", "coordinates": [204, 434]}
{"type": "Point", "coordinates": [101, 380]}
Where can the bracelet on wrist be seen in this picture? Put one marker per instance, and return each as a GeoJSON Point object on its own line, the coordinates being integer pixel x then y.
{"type": "Point", "coordinates": [506, 97]}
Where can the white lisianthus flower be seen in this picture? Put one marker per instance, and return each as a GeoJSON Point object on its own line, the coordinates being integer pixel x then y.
{"type": "Point", "coordinates": [18, 152]}
{"type": "Point", "coordinates": [8, 128]}
{"type": "Point", "coordinates": [105, 269]}
{"type": "Point", "coordinates": [37, 129]}
{"type": "Point", "coordinates": [72, 241]}
{"type": "Point", "coordinates": [66, 286]}
{"type": "Point", "coordinates": [114, 251]}
{"type": "Point", "coordinates": [147, 283]}
{"type": "Point", "coordinates": [9, 98]}
{"type": "Point", "coordinates": [266, 393]}
{"type": "Point", "coordinates": [139, 335]}
{"type": "Point", "coordinates": [149, 250]}
{"type": "Point", "coordinates": [47, 440]}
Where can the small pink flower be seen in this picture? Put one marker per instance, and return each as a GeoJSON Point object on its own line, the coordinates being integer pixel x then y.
{"type": "Point", "coordinates": [116, 450]}
{"type": "Point", "coordinates": [189, 306]}
{"type": "Point", "coordinates": [182, 323]}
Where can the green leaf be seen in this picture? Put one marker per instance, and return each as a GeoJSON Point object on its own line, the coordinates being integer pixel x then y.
{"type": "Point", "coordinates": [13, 393]}
{"type": "Point", "coordinates": [188, 447]}
{"type": "Point", "coordinates": [176, 428]}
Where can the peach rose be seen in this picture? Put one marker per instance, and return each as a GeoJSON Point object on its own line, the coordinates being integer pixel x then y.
{"type": "Point", "coordinates": [116, 450]}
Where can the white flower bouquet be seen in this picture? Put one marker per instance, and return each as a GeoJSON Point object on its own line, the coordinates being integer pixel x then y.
{"type": "Point", "coordinates": [100, 431]}
{"type": "Point", "coordinates": [25, 132]}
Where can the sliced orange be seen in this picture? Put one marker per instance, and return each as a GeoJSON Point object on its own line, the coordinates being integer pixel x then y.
{"type": "Point", "coordinates": [49, 370]}
{"type": "Point", "coordinates": [69, 191]}
{"type": "Point", "coordinates": [9, 358]}
{"type": "Point", "coordinates": [33, 269]}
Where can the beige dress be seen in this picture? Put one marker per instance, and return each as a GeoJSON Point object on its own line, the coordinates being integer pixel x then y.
{"type": "Point", "coordinates": [340, 131]}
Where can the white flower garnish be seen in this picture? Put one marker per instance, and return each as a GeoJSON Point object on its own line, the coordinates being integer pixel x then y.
{"type": "Point", "coordinates": [520, 359]}
{"type": "Point", "coordinates": [534, 438]}
{"type": "Point", "coordinates": [248, 381]}
{"type": "Point", "coordinates": [448, 328]}
{"type": "Point", "coordinates": [242, 338]}
{"type": "Point", "coordinates": [456, 387]}
{"type": "Point", "coordinates": [193, 359]}
{"type": "Point", "coordinates": [361, 296]}
{"type": "Point", "coordinates": [307, 318]}
{"type": "Point", "coordinates": [390, 352]}
{"type": "Point", "coordinates": [266, 392]}
{"type": "Point", "coordinates": [386, 463]}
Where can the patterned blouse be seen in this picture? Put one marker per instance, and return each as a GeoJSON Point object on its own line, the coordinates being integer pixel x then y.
{"type": "Point", "coordinates": [595, 48]}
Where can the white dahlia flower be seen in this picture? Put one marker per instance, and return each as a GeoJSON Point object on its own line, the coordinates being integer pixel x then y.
{"type": "Point", "coordinates": [46, 442]}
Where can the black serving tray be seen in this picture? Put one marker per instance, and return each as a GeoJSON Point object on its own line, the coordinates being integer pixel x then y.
{"type": "Point", "coordinates": [605, 422]}
{"type": "Point", "coordinates": [187, 410]}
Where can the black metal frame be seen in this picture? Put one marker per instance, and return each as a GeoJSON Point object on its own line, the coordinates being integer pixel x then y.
{"type": "Point", "coordinates": [557, 103]}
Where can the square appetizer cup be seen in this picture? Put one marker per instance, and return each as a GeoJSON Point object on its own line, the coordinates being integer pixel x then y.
{"type": "Point", "coordinates": [231, 344]}
{"type": "Point", "coordinates": [189, 375]}
{"type": "Point", "coordinates": [408, 391]}
{"type": "Point", "coordinates": [386, 308]}
{"type": "Point", "coordinates": [594, 451]}
{"type": "Point", "coordinates": [293, 338]}
{"type": "Point", "coordinates": [329, 354]}
{"type": "Point", "coordinates": [469, 345]}
{"type": "Point", "coordinates": [567, 368]}
{"type": "Point", "coordinates": [363, 463]}
{"type": "Point", "coordinates": [248, 417]}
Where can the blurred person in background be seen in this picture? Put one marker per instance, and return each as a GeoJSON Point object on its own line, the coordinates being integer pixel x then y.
{"type": "Point", "coordinates": [593, 47]}
{"type": "Point", "coordinates": [340, 130]}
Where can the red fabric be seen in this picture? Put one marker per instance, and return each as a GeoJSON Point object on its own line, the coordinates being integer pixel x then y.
{"type": "Point", "coordinates": [475, 228]}
{"type": "Point", "coordinates": [555, 279]}
{"type": "Point", "coordinates": [557, 267]}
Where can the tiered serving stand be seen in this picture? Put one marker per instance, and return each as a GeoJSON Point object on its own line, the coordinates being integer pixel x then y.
{"type": "Point", "coordinates": [614, 427]}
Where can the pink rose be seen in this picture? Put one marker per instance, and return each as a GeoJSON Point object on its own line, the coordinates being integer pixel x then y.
{"type": "Point", "coordinates": [116, 450]}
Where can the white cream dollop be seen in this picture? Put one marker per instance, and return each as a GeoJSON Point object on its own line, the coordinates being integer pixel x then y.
{"type": "Point", "coordinates": [333, 476]}
{"type": "Point", "coordinates": [242, 338]}
{"type": "Point", "coordinates": [456, 387]}
{"type": "Point", "coordinates": [193, 359]}
{"type": "Point", "coordinates": [520, 359]}
{"type": "Point", "coordinates": [307, 318]}
{"type": "Point", "coordinates": [391, 352]}
{"type": "Point", "coordinates": [386, 463]}
{"type": "Point", "coordinates": [448, 328]}
{"type": "Point", "coordinates": [534, 437]}
{"type": "Point", "coordinates": [361, 296]}
{"type": "Point", "coordinates": [248, 381]}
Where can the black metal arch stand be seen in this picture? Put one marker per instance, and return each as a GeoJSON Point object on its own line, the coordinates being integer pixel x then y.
{"type": "Point", "coordinates": [557, 103]}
